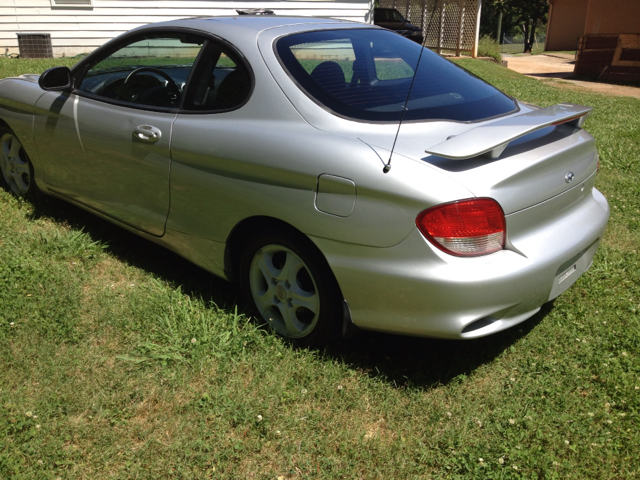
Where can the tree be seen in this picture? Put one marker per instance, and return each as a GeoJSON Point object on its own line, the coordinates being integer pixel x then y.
{"type": "Point", "coordinates": [527, 14]}
{"type": "Point", "coordinates": [491, 11]}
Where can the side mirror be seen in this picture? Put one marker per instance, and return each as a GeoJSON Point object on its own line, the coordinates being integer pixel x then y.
{"type": "Point", "coordinates": [56, 79]}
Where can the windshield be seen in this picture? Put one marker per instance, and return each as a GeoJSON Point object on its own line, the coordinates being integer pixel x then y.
{"type": "Point", "coordinates": [366, 74]}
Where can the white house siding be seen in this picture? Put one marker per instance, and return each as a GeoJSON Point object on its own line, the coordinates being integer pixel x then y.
{"type": "Point", "coordinates": [76, 29]}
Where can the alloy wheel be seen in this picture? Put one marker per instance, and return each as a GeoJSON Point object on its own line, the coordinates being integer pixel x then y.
{"type": "Point", "coordinates": [14, 164]}
{"type": "Point", "coordinates": [284, 291]}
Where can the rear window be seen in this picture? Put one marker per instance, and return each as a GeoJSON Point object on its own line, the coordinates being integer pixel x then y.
{"type": "Point", "coordinates": [366, 74]}
{"type": "Point", "coordinates": [387, 15]}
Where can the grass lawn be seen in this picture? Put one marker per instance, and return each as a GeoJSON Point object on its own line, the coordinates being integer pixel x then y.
{"type": "Point", "coordinates": [119, 359]}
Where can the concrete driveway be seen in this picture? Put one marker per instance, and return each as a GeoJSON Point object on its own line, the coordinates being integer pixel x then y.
{"type": "Point", "coordinates": [557, 68]}
{"type": "Point", "coordinates": [557, 65]}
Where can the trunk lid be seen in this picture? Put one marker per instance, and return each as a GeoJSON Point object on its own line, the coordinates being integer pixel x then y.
{"type": "Point", "coordinates": [538, 154]}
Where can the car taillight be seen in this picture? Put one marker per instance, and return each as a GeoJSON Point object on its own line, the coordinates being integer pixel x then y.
{"type": "Point", "coordinates": [465, 227]}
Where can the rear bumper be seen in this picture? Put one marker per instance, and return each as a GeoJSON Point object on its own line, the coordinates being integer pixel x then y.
{"type": "Point", "coordinates": [415, 289]}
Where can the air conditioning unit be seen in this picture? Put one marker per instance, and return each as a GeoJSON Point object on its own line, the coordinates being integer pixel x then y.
{"type": "Point", "coordinates": [35, 45]}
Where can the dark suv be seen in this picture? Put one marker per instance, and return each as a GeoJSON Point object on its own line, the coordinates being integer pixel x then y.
{"type": "Point", "coordinates": [392, 19]}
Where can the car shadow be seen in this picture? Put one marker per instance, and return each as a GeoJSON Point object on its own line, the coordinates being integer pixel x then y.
{"type": "Point", "coordinates": [141, 253]}
{"type": "Point", "coordinates": [410, 362]}
{"type": "Point", "coordinates": [403, 362]}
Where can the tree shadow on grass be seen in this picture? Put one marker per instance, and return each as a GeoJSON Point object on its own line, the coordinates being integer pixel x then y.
{"type": "Point", "coordinates": [398, 360]}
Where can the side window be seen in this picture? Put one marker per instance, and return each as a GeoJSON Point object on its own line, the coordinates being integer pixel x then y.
{"type": "Point", "coordinates": [222, 82]}
{"type": "Point", "coordinates": [338, 52]}
{"type": "Point", "coordinates": [389, 65]}
{"type": "Point", "coordinates": [151, 71]}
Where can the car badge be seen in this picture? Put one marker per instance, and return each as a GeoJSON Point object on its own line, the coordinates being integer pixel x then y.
{"type": "Point", "coordinates": [569, 177]}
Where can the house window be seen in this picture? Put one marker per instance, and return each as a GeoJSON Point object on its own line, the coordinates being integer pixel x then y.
{"type": "Point", "coordinates": [71, 3]}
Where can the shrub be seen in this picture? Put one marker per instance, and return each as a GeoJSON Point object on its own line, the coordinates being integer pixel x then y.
{"type": "Point", "coordinates": [488, 47]}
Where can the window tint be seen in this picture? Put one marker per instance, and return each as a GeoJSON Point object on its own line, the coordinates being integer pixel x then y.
{"type": "Point", "coordinates": [151, 71]}
{"type": "Point", "coordinates": [367, 74]}
{"type": "Point", "coordinates": [222, 82]}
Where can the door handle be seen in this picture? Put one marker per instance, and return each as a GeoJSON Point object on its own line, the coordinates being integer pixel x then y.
{"type": "Point", "coordinates": [147, 133]}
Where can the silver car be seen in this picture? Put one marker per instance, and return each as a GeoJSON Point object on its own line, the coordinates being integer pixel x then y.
{"type": "Point", "coordinates": [341, 174]}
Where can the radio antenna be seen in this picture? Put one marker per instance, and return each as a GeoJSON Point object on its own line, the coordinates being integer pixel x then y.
{"type": "Point", "coordinates": [387, 166]}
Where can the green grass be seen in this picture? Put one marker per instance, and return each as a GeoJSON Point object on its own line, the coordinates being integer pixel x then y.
{"type": "Point", "coordinates": [100, 376]}
{"type": "Point", "coordinates": [12, 67]}
{"type": "Point", "coordinates": [518, 48]}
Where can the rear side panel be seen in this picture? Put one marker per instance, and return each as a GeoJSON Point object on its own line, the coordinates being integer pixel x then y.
{"type": "Point", "coordinates": [415, 289]}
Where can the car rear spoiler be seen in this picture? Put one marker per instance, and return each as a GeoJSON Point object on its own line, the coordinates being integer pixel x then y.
{"type": "Point", "coordinates": [491, 139]}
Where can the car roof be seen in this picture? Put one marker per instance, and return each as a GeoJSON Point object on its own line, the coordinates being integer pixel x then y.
{"type": "Point", "coordinates": [243, 29]}
{"type": "Point", "coordinates": [253, 23]}
{"type": "Point", "coordinates": [240, 30]}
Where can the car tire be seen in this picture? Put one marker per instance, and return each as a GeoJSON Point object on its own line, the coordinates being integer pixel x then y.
{"type": "Point", "coordinates": [15, 165]}
{"type": "Point", "coordinates": [291, 288]}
